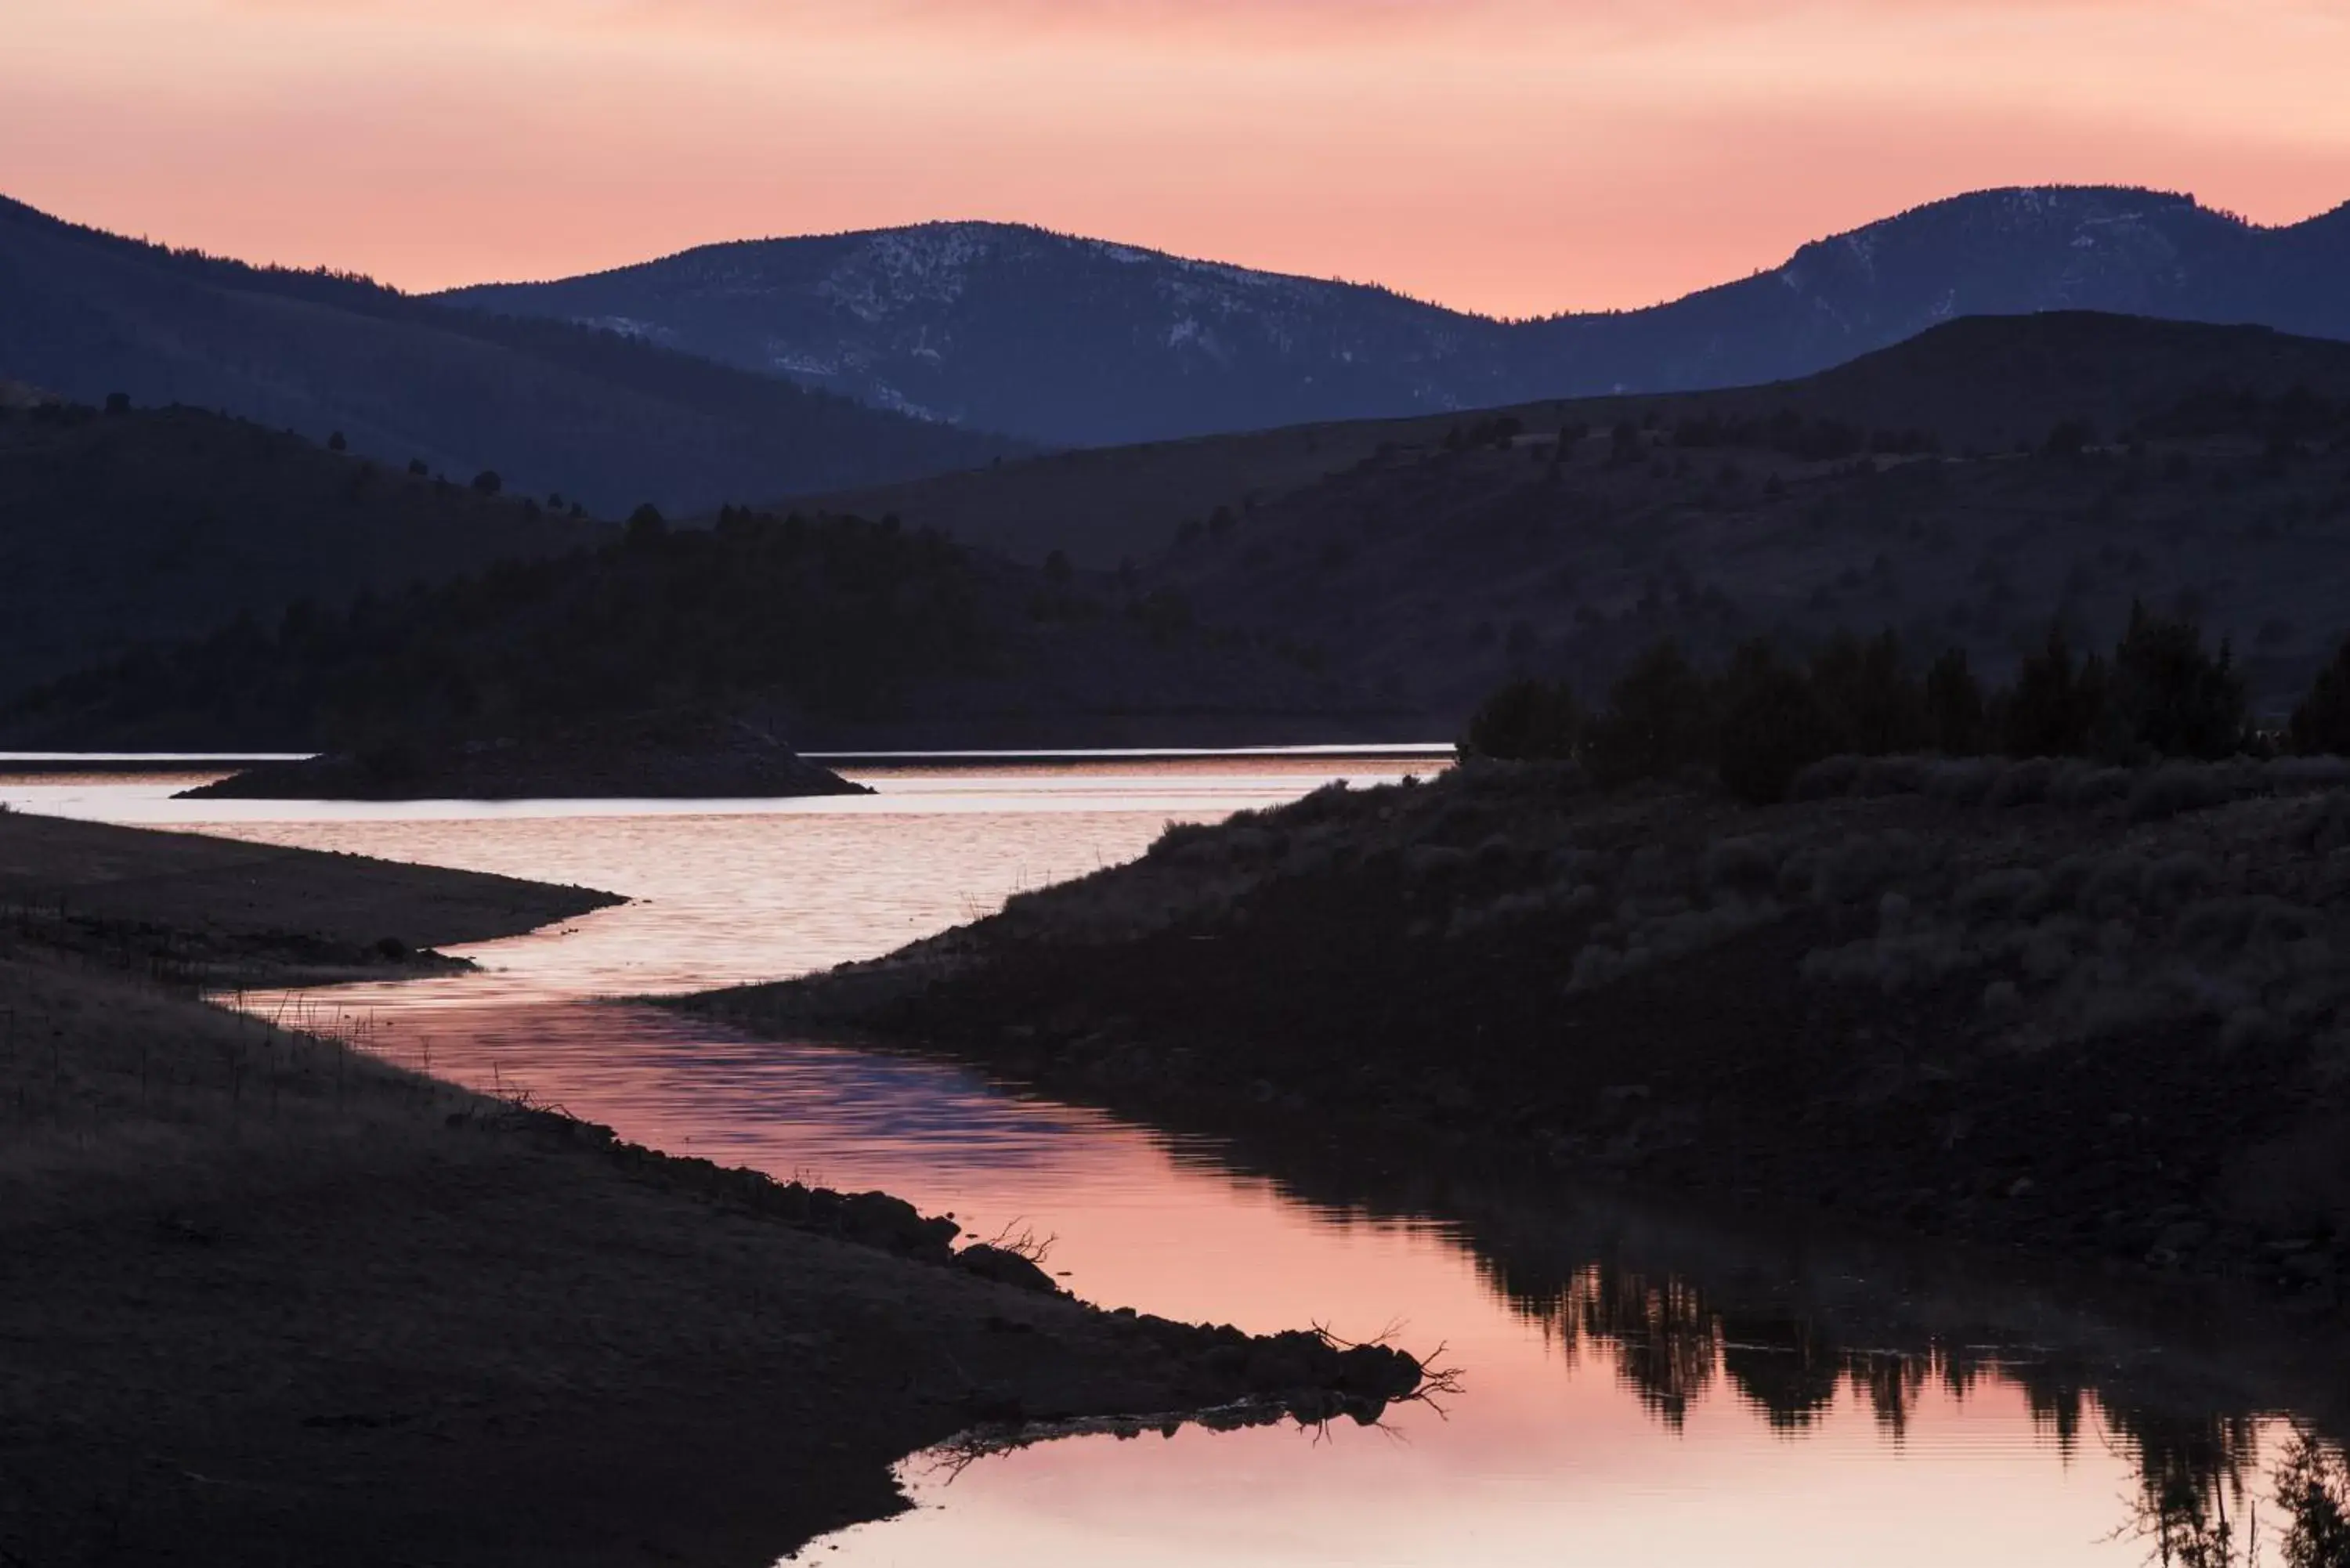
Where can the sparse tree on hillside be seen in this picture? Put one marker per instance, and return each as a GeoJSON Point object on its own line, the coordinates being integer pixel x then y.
{"type": "Point", "coordinates": [1526, 721]}
{"type": "Point", "coordinates": [1772, 724]}
{"type": "Point", "coordinates": [2168, 697]}
{"type": "Point", "coordinates": [1658, 720]}
{"type": "Point", "coordinates": [2321, 725]}
{"type": "Point", "coordinates": [2056, 702]}
{"type": "Point", "coordinates": [1955, 716]}
{"type": "Point", "coordinates": [1867, 692]}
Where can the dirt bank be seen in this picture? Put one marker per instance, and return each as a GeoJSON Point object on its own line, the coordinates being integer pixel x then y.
{"type": "Point", "coordinates": [185, 907]}
{"type": "Point", "coordinates": [2083, 1012]}
{"type": "Point", "coordinates": [263, 1299]}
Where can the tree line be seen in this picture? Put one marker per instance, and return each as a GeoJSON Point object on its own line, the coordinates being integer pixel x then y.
{"type": "Point", "coordinates": [1766, 714]}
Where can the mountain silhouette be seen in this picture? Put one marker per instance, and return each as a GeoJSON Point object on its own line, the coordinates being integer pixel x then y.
{"type": "Point", "coordinates": [613, 423]}
{"type": "Point", "coordinates": [1073, 341]}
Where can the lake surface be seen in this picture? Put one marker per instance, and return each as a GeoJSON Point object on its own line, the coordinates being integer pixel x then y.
{"type": "Point", "coordinates": [1634, 1386]}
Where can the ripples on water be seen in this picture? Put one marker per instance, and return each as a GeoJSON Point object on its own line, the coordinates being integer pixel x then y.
{"type": "Point", "coordinates": [1633, 1391]}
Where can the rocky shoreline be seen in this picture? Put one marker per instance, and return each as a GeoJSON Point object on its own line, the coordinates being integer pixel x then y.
{"type": "Point", "coordinates": [2086, 1013]}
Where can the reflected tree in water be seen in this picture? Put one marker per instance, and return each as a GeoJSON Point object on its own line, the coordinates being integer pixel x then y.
{"type": "Point", "coordinates": [2190, 1505]}
{"type": "Point", "coordinates": [1664, 1342]}
{"type": "Point", "coordinates": [2057, 1396]}
{"type": "Point", "coordinates": [1785, 1370]}
{"type": "Point", "coordinates": [1891, 1382]}
{"type": "Point", "coordinates": [2313, 1492]}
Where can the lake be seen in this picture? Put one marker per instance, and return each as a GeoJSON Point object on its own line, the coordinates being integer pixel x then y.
{"type": "Point", "coordinates": [1634, 1383]}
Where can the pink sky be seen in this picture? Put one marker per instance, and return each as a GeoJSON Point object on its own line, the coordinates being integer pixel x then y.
{"type": "Point", "coordinates": [1511, 156]}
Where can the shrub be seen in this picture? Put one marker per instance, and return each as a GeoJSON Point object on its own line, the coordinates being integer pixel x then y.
{"type": "Point", "coordinates": [1963, 782]}
{"type": "Point", "coordinates": [1740, 866]}
{"type": "Point", "coordinates": [1995, 895]}
{"type": "Point", "coordinates": [1881, 776]}
{"type": "Point", "coordinates": [2082, 788]}
{"type": "Point", "coordinates": [1826, 779]}
{"type": "Point", "coordinates": [2023, 783]}
{"type": "Point", "coordinates": [1526, 721]}
{"type": "Point", "coordinates": [2178, 788]}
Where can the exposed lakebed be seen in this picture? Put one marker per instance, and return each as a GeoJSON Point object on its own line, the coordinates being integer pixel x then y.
{"type": "Point", "coordinates": [1632, 1385]}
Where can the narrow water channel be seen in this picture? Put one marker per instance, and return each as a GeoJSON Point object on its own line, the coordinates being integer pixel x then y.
{"type": "Point", "coordinates": [1634, 1386]}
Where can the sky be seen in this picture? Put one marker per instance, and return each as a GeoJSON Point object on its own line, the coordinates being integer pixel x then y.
{"type": "Point", "coordinates": [1513, 156]}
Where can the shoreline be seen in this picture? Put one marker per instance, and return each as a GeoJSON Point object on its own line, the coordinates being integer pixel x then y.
{"type": "Point", "coordinates": [292, 1304]}
{"type": "Point", "coordinates": [1886, 1008]}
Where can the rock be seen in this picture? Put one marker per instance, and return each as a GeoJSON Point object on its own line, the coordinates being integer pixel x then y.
{"type": "Point", "coordinates": [878, 1220]}
{"type": "Point", "coordinates": [1005, 1267]}
{"type": "Point", "coordinates": [2182, 1237]}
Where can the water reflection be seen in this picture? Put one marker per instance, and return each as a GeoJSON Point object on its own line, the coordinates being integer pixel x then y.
{"type": "Point", "coordinates": [1641, 1384]}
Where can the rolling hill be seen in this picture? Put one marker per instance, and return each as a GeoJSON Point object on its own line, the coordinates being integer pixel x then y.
{"type": "Point", "coordinates": [126, 528]}
{"type": "Point", "coordinates": [550, 406]}
{"type": "Point", "coordinates": [1962, 488]}
{"type": "Point", "coordinates": [1073, 341]}
{"type": "Point", "coordinates": [1984, 383]}
{"type": "Point", "coordinates": [1374, 581]}
{"type": "Point", "coordinates": [830, 631]}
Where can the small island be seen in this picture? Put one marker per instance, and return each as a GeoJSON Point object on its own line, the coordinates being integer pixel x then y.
{"type": "Point", "coordinates": [646, 756]}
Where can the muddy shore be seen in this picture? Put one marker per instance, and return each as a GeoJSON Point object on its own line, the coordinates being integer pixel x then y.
{"type": "Point", "coordinates": [2090, 1014]}
{"type": "Point", "coordinates": [265, 1299]}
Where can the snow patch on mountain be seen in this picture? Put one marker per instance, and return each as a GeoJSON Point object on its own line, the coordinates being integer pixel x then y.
{"type": "Point", "coordinates": [899, 267]}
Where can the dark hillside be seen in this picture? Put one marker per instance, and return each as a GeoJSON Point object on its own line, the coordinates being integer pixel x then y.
{"type": "Point", "coordinates": [823, 629]}
{"type": "Point", "coordinates": [117, 529]}
{"type": "Point", "coordinates": [1437, 571]}
{"type": "Point", "coordinates": [1985, 383]}
{"type": "Point", "coordinates": [552, 406]}
{"type": "Point", "coordinates": [1960, 489]}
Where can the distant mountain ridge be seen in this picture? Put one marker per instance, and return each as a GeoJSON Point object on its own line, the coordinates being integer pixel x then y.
{"type": "Point", "coordinates": [1077, 341]}
{"type": "Point", "coordinates": [547, 405]}
{"type": "Point", "coordinates": [1073, 341]}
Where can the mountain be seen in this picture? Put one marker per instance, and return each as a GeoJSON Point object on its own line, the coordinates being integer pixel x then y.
{"type": "Point", "coordinates": [122, 528]}
{"type": "Point", "coordinates": [2203, 471]}
{"type": "Point", "coordinates": [548, 405]}
{"type": "Point", "coordinates": [1985, 383]}
{"type": "Point", "coordinates": [1072, 341]}
{"type": "Point", "coordinates": [1374, 581]}
{"type": "Point", "coordinates": [1962, 488]}
{"type": "Point", "coordinates": [1066, 340]}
